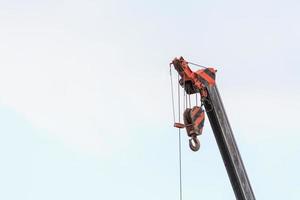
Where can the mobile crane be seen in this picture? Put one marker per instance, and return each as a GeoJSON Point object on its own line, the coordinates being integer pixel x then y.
{"type": "Point", "coordinates": [203, 82]}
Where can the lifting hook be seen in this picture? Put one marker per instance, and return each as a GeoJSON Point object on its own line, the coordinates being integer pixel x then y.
{"type": "Point", "coordinates": [194, 143]}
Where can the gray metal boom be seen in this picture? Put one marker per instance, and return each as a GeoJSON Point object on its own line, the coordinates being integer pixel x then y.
{"type": "Point", "coordinates": [227, 145]}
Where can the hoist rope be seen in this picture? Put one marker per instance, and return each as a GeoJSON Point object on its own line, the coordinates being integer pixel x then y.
{"type": "Point", "coordinates": [184, 101]}
{"type": "Point", "coordinates": [179, 131]}
{"type": "Point", "coordinates": [179, 144]}
{"type": "Point", "coordinates": [197, 65]}
{"type": "Point", "coordinates": [172, 93]}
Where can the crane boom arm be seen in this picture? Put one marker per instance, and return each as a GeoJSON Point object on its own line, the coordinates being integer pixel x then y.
{"type": "Point", "coordinates": [227, 145]}
{"type": "Point", "coordinates": [203, 82]}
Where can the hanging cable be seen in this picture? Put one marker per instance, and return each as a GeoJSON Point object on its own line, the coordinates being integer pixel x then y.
{"type": "Point", "coordinates": [172, 93]}
{"type": "Point", "coordinates": [196, 65]}
{"type": "Point", "coordinates": [184, 96]}
{"type": "Point", "coordinates": [179, 130]}
{"type": "Point", "coordinates": [179, 145]}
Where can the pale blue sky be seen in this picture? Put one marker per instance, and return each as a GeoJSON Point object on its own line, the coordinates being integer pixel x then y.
{"type": "Point", "coordinates": [85, 107]}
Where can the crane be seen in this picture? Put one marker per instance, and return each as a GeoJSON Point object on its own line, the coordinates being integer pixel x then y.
{"type": "Point", "coordinates": [203, 82]}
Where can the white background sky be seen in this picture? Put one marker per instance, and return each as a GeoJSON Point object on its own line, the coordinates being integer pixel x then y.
{"type": "Point", "coordinates": [85, 107]}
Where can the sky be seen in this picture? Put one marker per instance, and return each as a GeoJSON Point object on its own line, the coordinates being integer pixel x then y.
{"type": "Point", "coordinates": [85, 101]}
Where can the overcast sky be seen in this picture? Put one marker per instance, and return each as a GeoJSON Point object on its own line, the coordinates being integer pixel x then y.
{"type": "Point", "coordinates": [85, 103]}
